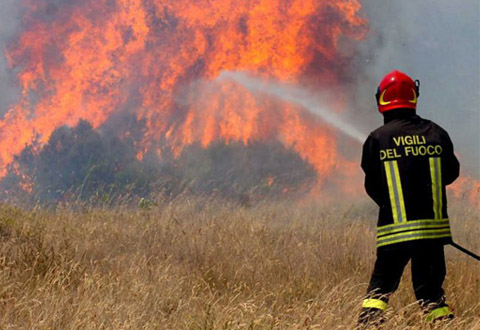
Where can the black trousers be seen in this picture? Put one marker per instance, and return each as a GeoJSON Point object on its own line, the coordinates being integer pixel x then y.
{"type": "Point", "coordinates": [428, 273]}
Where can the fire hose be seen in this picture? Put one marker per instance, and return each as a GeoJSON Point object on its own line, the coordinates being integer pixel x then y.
{"type": "Point", "coordinates": [467, 252]}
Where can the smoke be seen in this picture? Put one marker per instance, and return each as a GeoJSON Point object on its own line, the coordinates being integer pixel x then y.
{"type": "Point", "coordinates": [437, 42]}
{"type": "Point", "coordinates": [9, 22]}
{"type": "Point", "coordinates": [297, 95]}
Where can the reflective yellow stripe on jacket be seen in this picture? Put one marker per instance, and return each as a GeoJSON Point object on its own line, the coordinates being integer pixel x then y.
{"type": "Point", "coordinates": [413, 230]}
{"type": "Point", "coordinates": [403, 230]}
{"type": "Point", "coordinates": [395, 191]}
{"type": "Point", "coordinates": [436, 176]}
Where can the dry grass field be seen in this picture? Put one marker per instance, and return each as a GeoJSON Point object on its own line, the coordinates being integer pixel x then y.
{"type": "Point", "coordinates": [202, 264]}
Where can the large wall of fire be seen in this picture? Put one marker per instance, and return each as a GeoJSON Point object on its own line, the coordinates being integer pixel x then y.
{"type": "Point", "coordinates": [94, 59]}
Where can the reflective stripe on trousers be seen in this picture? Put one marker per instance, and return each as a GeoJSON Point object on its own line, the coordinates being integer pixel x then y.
{"type": "Point", "coordinates": [439, 313]}
{"type": "Point", "coordinates": [374, 303]}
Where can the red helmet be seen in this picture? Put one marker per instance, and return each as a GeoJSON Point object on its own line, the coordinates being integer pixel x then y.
{"type": "Point", "coordinates": [397, 90]}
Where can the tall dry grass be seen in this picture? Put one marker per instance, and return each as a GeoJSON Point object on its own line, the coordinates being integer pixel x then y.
{"type": "Point", "coordinates": [199, 264]}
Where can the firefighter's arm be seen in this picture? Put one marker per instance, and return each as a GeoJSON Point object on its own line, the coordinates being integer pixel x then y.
{"type": "Point", "coordinates": [371, 165]}
{"type": "Point", "coordinates": [451, 166]}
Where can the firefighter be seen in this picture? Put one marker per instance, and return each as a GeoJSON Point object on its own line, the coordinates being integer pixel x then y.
{"type": "Point", "coordinates": [407, 163]}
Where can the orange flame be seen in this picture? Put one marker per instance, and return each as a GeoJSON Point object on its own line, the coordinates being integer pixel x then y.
{"type": "Point", "coordinates": [93, 58]}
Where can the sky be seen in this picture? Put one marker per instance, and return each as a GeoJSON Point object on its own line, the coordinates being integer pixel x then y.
{"type": "Point", "coordinates": [435, 41]}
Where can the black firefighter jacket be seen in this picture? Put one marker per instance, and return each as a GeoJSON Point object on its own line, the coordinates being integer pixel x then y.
{"type": "Point", "coordinates": [407, 164]}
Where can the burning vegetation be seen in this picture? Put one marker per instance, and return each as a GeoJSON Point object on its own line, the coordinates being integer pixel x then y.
{"type": "Point", "coordinates": [82, 164]}
{"type": "Point", "coordinates": [122, 97]}
{"type": "Point", "coordinates": [153, 64]}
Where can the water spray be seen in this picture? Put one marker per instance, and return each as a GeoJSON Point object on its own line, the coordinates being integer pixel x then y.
{"type": "Point", "coordinates": [296, 95]}
{"type": "Point", "coordinates": [303, 98]}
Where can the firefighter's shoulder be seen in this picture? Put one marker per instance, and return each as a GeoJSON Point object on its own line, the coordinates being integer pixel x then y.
{"type": "Point", "coordinates": [381, 131]}
{"type": "Point", "coordinates": [371, 138]}
{"type": "Point", "coordinates": [437, 127]}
